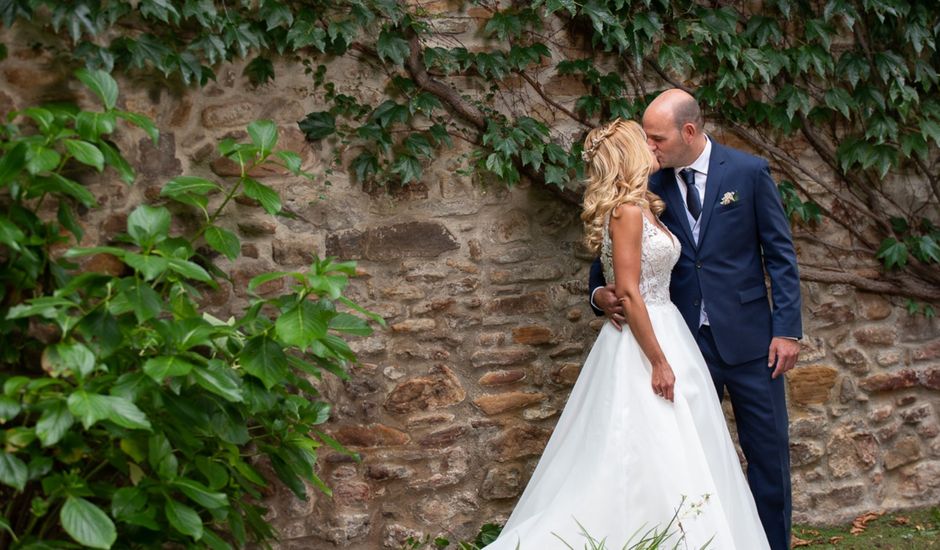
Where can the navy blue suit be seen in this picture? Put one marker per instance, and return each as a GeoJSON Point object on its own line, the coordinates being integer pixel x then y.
{"type": "Point", "coordinates": [738, 242]}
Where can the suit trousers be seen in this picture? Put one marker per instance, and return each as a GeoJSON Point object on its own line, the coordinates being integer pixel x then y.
{"type": "Point", "coordinates": [760, 413]}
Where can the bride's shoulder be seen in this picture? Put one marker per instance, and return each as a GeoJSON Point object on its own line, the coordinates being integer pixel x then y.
{"type": "Point", "coordinates": [626, 216]}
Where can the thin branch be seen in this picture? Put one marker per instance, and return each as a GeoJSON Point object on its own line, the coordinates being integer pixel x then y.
{"type": "Point", "coordinates": [538, 89]}
{"type": "Point", "coordinates": [895, 286]}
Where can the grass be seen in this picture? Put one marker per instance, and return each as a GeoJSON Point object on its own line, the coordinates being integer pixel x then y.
{"type": "Point", "coordinates": [908, 530]}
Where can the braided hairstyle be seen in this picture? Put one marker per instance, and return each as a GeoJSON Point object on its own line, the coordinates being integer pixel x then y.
{"type": "Point", "coordinates": [618, 166]}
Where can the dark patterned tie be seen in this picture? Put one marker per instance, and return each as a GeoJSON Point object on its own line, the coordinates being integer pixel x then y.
{"type": "Point", "coordinates": [692, 200]}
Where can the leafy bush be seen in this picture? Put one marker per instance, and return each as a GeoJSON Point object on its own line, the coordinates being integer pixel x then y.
{"type": "Point", "coordinates": [132, 417]}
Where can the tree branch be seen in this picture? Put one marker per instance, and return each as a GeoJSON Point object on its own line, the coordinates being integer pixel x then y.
{"type": "Point", "coordinates": [538, 89]}
{"type": "Point", "coordinates": [895, 286]}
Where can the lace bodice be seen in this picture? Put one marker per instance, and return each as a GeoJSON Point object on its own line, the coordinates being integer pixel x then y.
{"type": "Point", "coordinates": [659, 253]}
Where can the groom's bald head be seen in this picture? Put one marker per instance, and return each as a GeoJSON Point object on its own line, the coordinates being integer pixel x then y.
{"type": "Point", "coordinates": [674, 128]}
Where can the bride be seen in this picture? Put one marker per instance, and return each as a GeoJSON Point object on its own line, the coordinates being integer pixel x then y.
{"type": "Point", "coordinates": [641, 446]}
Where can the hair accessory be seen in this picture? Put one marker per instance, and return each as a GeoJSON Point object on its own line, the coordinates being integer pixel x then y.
{"type": "Point", "coordinates": [588, 153]}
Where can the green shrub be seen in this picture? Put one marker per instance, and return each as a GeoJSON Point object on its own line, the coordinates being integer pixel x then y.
{"type": "Point", "coordinates": [131, 417]}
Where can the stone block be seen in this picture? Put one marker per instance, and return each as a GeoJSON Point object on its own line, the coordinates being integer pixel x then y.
{"type": "Point", "coordinates": [502, 481]}
{"type": "Point", "coordinates": [104, 263]}
{"type": "Point", "coordinates": [830, 314]}
{"type": "Point", "coordinates": [501, 357]}
{"type": "Point", "coordinates": [517, 442]}
{"type": "Point", "coordinates": [533, 335]}
{"type": "Point", "coordinates": [158, 162]}
{"type": "Point", "coordinates": [873, 307]}
{"type": "Point", "coordinates": [502, 402]}
{"type": "Point", "coordinates": [243, 274]}
{"type": "Point", "coordinates": [890, 381]}
{"type": "Point", "coordinates": [850, 453]}
{"type": "Point", "coordinates": [414, 325]}
{"type": "Point", "coordinates": [444, 437]}
{"type": "Point", "coordinates": [525, 275]}
{"type": "Point", "coordinates": [927, 352]}
{"type": "Point", "coordinates": [513, 255]}
{"type": "Point", "coordinates": [567, 350]}
{"type": "Point", "coordinates": [876, 336]}
{"type": "Point", "coordinates": [439, 389]}
{"type": "Point", "coordinates": [804, 453]}
{"type": "Point", "coordinates": [904, 451]}
{"type": "Point", "coordinates": [257, 227]}
{"type": "Point", "coordinates": [921, 480]}
{"type": "Point", "coordinates": [512, 226]}
{"type": "Point", "coordinates": [227, 115]}
{"type": "Point", "coordinates": [403, 240]}
{"type": "Point", "coordinates": [566, 374]}
{"type": "Point", "coordinates": [535, 302]}
{"type": "Point", "coordinates": [500, 377]}
{"type": "Point", "coordinates": [375, 435]}
{"type": "Point", "coordinates": [288, 253]}
{"type": "Point", "coordinates": [384, 471]}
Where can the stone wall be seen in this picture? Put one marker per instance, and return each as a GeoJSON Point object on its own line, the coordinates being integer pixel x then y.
{"type": "Point", "coordinates": [484, 291]}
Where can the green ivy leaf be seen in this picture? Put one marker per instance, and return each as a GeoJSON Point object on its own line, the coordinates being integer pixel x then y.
{"type": "Point", "coordinates": [184, 519]}
{"type": "Point", "coordinates": [148, 265]}
{"type": "Point", "coordinates": [190, 270]}
{"type": "Point", "coordinates": [87, 524]}
{"type": "Point", "coordinates": [69, 357]}
{"type": "Point", "coordinates": [408, 167]}
{"type": "Point", "coordinates": [42, 159]}
{"type": "Point", "coordinates": [223, 241]}
{"type": "Point", "coordinates": [350, 324]}
{"type": "Point", "coordinates": [364, 165]}
{"type": "Point", "coordinates": [259, 71]}
{"type": "Point", "coordinates": [318, 125]}
{"type": "Point", "coordinates": [91, 408]}
{"type": "Point", "coordinates": [160, 456]}
{"type": "Point", "coordinates": [9, 409]}
{"type": "Point", "coordinates": [182, 185]}
{"type": "Point", "coordinates": [892, 253]}
{"type": "Point", "coordinates": [101, 83]}
{"type": "Point", "coordinates": [392, 47]}
{"type": "Point", "coordinates": [143, 123]}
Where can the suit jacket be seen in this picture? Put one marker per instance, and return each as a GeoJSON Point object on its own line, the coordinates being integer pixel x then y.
{"type": "Point", "coordinates": [738, 242]}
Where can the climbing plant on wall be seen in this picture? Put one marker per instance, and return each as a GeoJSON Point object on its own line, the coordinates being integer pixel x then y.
{"type": "Point", "coordinates": [855, 80]}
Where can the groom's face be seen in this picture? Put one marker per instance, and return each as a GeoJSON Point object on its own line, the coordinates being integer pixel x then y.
{"type": "Point", "coordinates": [665, 139]}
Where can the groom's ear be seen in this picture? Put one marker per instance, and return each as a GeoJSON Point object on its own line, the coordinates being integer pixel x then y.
{"type": "Point", "coordinates": [688, 131]}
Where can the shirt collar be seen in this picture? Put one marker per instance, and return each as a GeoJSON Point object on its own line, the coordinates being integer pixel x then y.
{"type": "Point", "coordinates": [701, 163]}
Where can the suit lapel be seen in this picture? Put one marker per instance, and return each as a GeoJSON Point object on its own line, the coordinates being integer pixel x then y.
{"type": "Point", "coordinates": [674, 203]}
{"type": "Point", "coordinates": [713, 185]}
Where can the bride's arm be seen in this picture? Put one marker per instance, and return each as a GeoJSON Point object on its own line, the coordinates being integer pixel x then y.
{"type": "Point", "coordinates": [626, 232]}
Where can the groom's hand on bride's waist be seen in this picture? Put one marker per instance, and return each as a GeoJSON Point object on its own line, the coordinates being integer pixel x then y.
{"type": "Point", "coordinates": [605, 299]}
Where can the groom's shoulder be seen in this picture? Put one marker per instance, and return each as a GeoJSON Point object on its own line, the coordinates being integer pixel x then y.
{"type": "Point", "coordinates": [738, 157]}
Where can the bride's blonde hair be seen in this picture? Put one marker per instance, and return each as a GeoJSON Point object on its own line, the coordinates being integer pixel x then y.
{"type": "Point", "coordinates": [618, 166]}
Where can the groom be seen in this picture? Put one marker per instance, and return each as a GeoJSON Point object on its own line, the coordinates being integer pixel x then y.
{"type": "Point", "coordinates": [724, 207]}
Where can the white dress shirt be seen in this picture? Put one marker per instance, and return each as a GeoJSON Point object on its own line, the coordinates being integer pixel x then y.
{"type": "Point", "coordinates": [700, 168]}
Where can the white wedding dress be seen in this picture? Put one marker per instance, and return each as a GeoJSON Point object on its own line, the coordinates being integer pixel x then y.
{"type": "Point", "coordinates": [621, 460]}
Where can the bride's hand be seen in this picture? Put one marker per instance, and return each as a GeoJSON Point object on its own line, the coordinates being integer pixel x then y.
{"type": "Point", "coordinates": [664, 381]}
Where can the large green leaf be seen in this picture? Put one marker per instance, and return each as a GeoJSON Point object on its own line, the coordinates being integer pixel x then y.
{"type": "Point", "coordinates": [9, 409]}
{"type": "Point", "coordinates": [91, 126]}
{"type": "Point", "coordinates": [184, 519]}
{"type": "Point", "coordinates": [223, 241]}
{"type": "Point", "coordinates": [302, 324]}
{"type": "Point", "coordinates": [13, 471]}
{"type": "Point", "coordinates": [161, 367]}
{"type": "Point", "coordinates": [87, 524]}
{"type": "Point", "coordinates": [268, 197]}
{"type": "Point", "coordinates": [42, 159]}
{"type": "Point", "coordinates": [148, 225]}
{"type": "Point", "coordinates": [54, 423]}
{"type": "Point", "coordinates": [69, 357]}
{"type": "Point", "coordinates": [263, 134]}
{"type": "Point", "coordinates": [190, 270]}
{"type": "Point", "coordinates": [91, 408]}
{"type": "Point", "coordinates": [350, 324]}
{"type": "Point", "coordinates": [218, 379]}
{"type": "Point", "coordinates": [160, 456]}
{"type": "Point", "coordinates": [101, 83]}
{"type": "Point", "coordinates": [264, 359]}
{"type": "Point", "coordinates": [200, 494]}
{"type": "Point", "coordinates": [85, 153]}
{"type": "Point", "coordinates": [143, 123]}
{"type": "Point", "coordinates": [143, 300]}
{"type": "Point", "coordinates": [11, 163]}
{"type": "Point", "coordinates": [181, 185]}
{"type": "Point", "coordinates": [150, 265]}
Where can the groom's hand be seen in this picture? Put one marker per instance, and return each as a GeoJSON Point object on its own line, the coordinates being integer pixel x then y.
{"type": "Point", "coordinates": [605, 299]}
{"type": "Point", "coordinates": [783, 355]}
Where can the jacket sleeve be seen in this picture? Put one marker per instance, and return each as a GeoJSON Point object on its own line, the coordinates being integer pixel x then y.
{"type": "Point", "coordinates": [596, 280]}
{"type": "Point", "coordinates": [779, 256]}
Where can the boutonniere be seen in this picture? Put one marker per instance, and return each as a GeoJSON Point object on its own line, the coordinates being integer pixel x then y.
{"type": "Point", "coordinates": [730, 197]}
